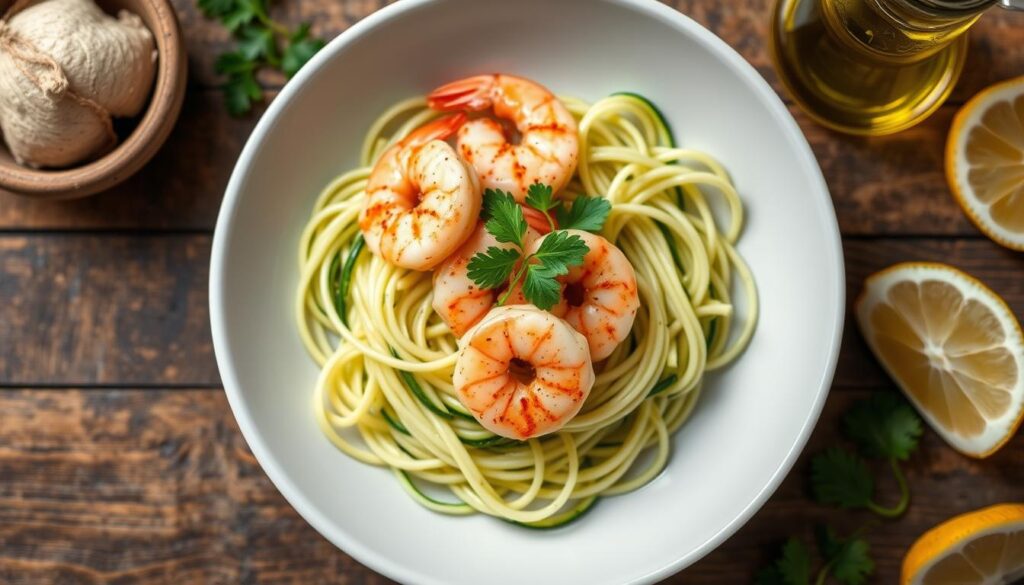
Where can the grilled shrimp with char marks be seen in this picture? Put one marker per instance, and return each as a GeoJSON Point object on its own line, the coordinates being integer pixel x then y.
{"type": "Point", "coordinates": [523, 372]}
{"type": "Point", "coordinates": [459, 301]}
{"type": "Point", "coordinates": [599, 297]}
{"type": "Point", "coordinates": [548, 146]}
{"type": "Point", "coordinates": [422, 199]}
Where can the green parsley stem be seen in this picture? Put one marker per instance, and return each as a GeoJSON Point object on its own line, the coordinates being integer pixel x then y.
{"type": "Point", "coordinates": [551, 222]}
{"type": "Point", "coordinates": [515, 279]}
{"type": "Point", "coordinates": [273, 25]}
{"type": "Point", "coordinates": [901, 506]}
{"type": "Point", "coordinates": [823, 574]}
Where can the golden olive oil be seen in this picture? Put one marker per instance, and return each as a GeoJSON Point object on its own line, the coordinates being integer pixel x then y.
{"type": "Point", "coordinates": [871, 66]}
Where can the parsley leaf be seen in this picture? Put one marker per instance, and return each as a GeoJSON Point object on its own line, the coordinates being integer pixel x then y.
{"type": "Point", "coordinates": [848, 560]}
{"type": "Point", "coordinates": [490, 269]}
{"type": "Point", "coordinates": [586, 213]}
{"type": "Point", "coordinates": [256, 42]}
{"type": "Point", "coordinates": [539, 197]}
{"type": "Point", "coordinates": [794, 565]}
{"type": "Point", "coordinates": [215, 8]}
{"type": "Point", "coordinates": [259, 40]}
{"type": "Point", "coordinates": [557, 252]}
{"type": "Point", "coordinates": [301, 48]}
{"type": "Point", "coordinates": [884, 426]}
{"type": "Point", "coordinates": [561, 249]}
{"type": "Point", "coordinates": [540, 286]}
{"type": "Point", "coordinates": [842, 478]}
{"type": "Point", "coordinates": [506, 222]}
{"type": "Point", "coordinates": [241, 91]}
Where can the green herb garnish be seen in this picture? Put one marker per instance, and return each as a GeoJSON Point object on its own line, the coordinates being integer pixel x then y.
{"type": "Point", "coordinates": [884, 427]}
{"type": "Point", "coordinates": [559, 250]}
{"type": "Point", "coordinates": [260, 42]}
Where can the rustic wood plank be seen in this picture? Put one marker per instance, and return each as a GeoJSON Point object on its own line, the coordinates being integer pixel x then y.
{"type": "Point", "coordinates": [128, 309]}
{"type": "Point", "coordinates": [132, 486]}
{"type": "Point", "coordinates": [89, 309]}
{"type": "Point", "coordinates": [881, 186]}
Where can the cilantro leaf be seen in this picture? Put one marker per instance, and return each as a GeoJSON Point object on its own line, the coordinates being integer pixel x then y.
{"type": "Point", "coordinates": [848, 560]}
{"type": "Point", "coordinates": [506, 222]}
{"type": "Point", "coordinates": [491, 268]}
{"type": "Point", "coordinates": [301, 48]}
{"type": "Point", "coordinates": [795, 563]}
{"type": "Point", "coordinates": [241, 91]}
{"type": "Point", "coordinates": [842, 478]}
{"type": "Point", "coordinates": [539, 197]}
{"type": "Point", "coordinates": [557, 252]}
{"type": "Point", "coordinates": [586, 213]}
{"type": "Point", "coordinates": [884, 426]}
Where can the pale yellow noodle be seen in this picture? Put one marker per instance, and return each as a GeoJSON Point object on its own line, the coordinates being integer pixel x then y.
{"type": "Point", "coordinates": [381, 341]}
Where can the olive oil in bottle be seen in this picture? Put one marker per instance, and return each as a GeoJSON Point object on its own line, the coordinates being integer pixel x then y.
{"type": "Point", "coordinates": [871, 66]}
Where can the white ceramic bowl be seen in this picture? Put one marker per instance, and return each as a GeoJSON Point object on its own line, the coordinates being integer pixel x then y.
{"type": "Point", "coordinates": [753, 418]}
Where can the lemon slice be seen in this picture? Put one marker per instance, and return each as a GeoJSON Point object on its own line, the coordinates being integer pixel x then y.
{"type": "Point", "coordinates": [981, 547]}
{"type": "Point", "coordinates": [953, 347]}
{"type": "Point", "coordinates": [985, 161]}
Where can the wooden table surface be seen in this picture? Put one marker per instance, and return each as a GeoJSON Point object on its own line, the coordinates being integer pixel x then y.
{"type": "Point", "coordinates": [120, 460]}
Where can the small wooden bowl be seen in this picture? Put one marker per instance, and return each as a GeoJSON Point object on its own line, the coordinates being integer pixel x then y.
{"type": "Point", "coordinates": [152, 129]}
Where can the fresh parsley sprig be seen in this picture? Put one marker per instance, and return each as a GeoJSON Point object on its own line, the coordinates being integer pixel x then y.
{"type": "Point", "coordinates": [558, 251]}
{"type": "Point", "coordinates": [260, 42]}
{"type": "Point", "coordinates": [883, 426]}
{"type": "Point", "coordinates": [848, 560]}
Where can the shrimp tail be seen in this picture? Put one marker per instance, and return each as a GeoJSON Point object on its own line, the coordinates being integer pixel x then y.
{"type": "Point", "coordinates": [439, 129]}
{"type": "Point", "coordinates": [472, 93]}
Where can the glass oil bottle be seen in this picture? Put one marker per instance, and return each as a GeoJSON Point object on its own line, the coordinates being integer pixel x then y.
{"type": "Point", "coordinates": [872, 67]}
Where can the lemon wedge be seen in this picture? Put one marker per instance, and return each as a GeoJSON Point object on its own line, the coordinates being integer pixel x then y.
{"type": "Point", "coordinates": [981, 547]}
{"type": "Point", "coordinates": [985, 161]}
{"type": "Point", "coordinates": [953, 347]}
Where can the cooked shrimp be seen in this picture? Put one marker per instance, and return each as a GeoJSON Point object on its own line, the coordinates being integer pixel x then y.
{"type": "Point", "coordinates": [459, 301]}
{"type": "Point", "coordinates": [523, 372]}
{"type": "Point", "coordinates": [548, 145]}
{"type": "Point", "coordinates": [422, 200]}
{"type": "Point", "coordinates": [599, 296]}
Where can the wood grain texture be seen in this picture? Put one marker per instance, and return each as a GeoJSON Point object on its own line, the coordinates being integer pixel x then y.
{"type": "Point", "coordinates": [86, 309]}
{"type": "Point", "coordinates": [130, 309]}
{"type": "Point", "coordinates": [132, 486]}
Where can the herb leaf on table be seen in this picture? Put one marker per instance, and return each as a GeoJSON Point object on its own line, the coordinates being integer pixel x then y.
{"type": "Point", "coordinates": [259, 45]}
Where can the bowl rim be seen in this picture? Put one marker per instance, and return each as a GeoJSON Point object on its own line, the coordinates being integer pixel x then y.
{"type": "Point", "coordinates": [228, 212]}
{"type": "Point", "coordinates": [126, 158]}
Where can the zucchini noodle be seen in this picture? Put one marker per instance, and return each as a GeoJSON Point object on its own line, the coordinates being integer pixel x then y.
{"type": "Point", "coordinates": [385, 396]}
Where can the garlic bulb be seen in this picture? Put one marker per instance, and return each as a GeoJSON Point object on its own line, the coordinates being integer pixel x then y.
{"type": "Point", "coordinates": [66, 67]}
